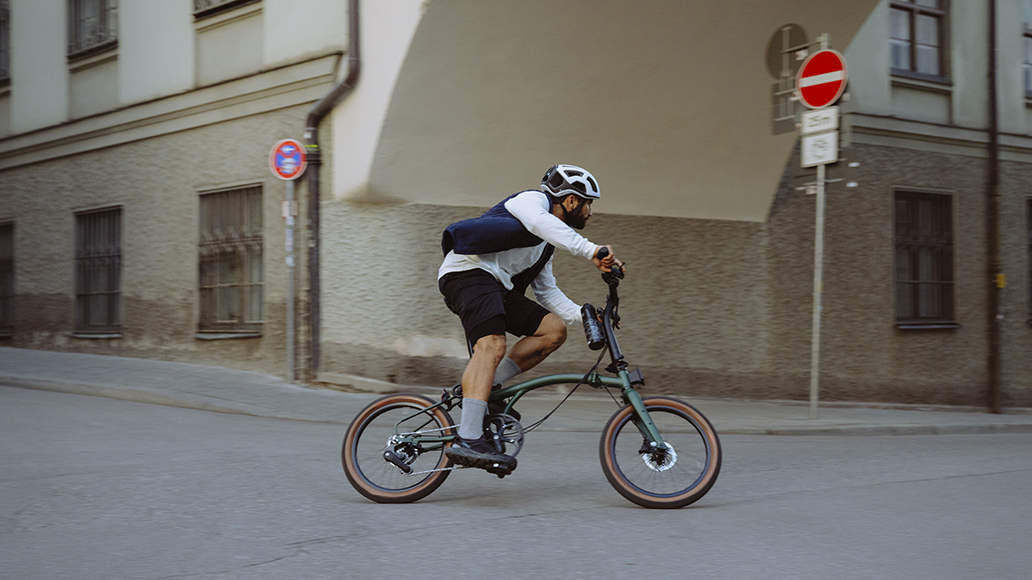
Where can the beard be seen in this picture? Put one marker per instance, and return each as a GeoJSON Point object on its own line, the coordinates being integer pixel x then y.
{"type": "Point", "coordinates": [578, 221]}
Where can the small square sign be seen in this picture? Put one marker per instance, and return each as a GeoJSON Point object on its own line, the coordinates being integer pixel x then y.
{"type": "Point", "coordinates": [819, 149]}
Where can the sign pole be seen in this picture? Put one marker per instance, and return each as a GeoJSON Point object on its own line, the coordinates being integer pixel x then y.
{"type": "Point", "coordinates": [290, 279]}
{"type": "Point", "coordinates": [818, 289]}
{"type": "Point", "coordinates": [288, 160]}
{"type": "Point", "coordinates": [820, 82]}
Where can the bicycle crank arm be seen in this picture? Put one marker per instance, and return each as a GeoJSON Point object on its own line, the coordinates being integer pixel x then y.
{"type": "Point", "coordinates": [397, 461]}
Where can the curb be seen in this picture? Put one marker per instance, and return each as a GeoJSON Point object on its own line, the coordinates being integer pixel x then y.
{"type": "Point", "coordinates": [138, 395]}
{"type": "Point", "coordinates": [121, 394]}
{"type": "Point", "coordinates": [884, 430]}
{"type": "Point", "coordinates": [141, 396]}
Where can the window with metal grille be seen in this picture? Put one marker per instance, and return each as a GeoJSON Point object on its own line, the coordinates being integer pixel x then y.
{"type": "Point", "coordinates": [1026, 61]}
{"type": "Point", "coordinates": [5, 42]}
{"type": "Point", "coordinates": [231, 274]}
{"type": "Point", "coordinates": [917, 37]}
{"type": "Point", "coordinates": [924, 259]}
{"type": "Point", "coordinates": [6, 279]}
{"type": "Point", "coordinates": [1028, 222]}
{"type": "Point", "coordinates": [205, 8]}
{"type": "Point", "coordinates": [98, 271]}
{"type": "Point", "coordinates": [92, 26]}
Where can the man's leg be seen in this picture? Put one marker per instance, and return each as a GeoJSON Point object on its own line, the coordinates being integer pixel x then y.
{"type": "Point", "coordinates": [532, 349]}
{"type": "Point", "coordinates": [476, 383]}
{"type": "Point", "coordinates": [470, 448]}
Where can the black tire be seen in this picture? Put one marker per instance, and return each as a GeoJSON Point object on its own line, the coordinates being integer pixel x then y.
{"type": "Point", "coordinates": [663, 480]}
{"type": "Point", "coordinates": [365, 442]}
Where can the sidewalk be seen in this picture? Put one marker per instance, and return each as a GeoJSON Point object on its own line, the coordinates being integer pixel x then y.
{"type": "Point", "coordinates": [248, 393]}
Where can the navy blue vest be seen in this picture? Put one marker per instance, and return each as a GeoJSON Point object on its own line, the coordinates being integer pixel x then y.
{"type": "Point", "coordinates": [496, 230]}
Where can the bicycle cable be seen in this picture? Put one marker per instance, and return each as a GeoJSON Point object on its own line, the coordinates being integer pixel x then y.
{"type": "Point", "coordinates": [568, 395]}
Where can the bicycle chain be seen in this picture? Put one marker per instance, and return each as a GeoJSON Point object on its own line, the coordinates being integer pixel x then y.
{"type": "Point", "coordinates": [394, 441]}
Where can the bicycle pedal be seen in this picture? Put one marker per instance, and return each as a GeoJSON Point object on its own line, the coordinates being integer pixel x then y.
{"type": "Point", "coordinates": [501, 470]}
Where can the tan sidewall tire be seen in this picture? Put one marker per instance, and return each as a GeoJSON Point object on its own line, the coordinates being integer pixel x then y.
{"type": "Point", "coordinates": [353, 472]}
{"type": "Point", "coordinates": [626, 489]}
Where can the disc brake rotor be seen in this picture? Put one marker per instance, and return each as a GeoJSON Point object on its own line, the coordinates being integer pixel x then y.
{"type": "Point", "coordinates": [660, 459]}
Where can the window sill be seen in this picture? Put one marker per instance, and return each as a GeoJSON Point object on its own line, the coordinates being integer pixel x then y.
{"type": "Point", "coordinates": [927, 326]}
{"type": "Point", "coordinates": [922, 82]}
{"type": "Point", "coordinates": [93, 55]}
{"type": "Point", "coordinates": [96, 335]}
{"type": "Point", "coordinates": [220, 14]}
{"type": "Point", "coordinates": [226, 335]}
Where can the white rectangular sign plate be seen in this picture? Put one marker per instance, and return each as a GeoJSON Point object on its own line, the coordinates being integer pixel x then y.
{"type": "Point", "coordinates": [819, 149]}
{"type": "Point", "coordinates": [820, 120]}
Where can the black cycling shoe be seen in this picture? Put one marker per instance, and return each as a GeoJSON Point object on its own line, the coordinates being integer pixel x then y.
{"type": "Point", "coordinates": [480, 454]}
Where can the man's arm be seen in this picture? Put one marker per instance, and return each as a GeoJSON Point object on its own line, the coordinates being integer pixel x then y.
{"type": "Point", "coordinates": [551, 297]}
{"type": "Point", "coordinates": [532, 208]}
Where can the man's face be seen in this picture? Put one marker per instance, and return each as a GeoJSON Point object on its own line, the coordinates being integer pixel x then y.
{"type": "Point", "coordinates": [577, 218]}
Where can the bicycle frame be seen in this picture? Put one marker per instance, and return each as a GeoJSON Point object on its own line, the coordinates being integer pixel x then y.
{"type": "Point", "coordinates": [624, 380]}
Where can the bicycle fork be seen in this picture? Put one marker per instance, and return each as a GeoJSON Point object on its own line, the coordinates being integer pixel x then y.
{"type": "Point", "coordinates": [642, 420]}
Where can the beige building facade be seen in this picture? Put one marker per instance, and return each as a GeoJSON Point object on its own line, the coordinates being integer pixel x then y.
{"type": "Point", "coordinates": [143, 219]}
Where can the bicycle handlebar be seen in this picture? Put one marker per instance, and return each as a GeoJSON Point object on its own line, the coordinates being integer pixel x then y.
{"type": "Point", "coordinates": [616, 271]}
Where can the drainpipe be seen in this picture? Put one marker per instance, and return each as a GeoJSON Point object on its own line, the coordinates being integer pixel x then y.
{"type": "Point", "coordinates": [315, 116]}
{"type": "Point", "coordinates": [992, 230]}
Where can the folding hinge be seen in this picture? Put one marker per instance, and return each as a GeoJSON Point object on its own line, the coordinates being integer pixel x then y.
{"type": "Point", "coordinates": [636, 377]}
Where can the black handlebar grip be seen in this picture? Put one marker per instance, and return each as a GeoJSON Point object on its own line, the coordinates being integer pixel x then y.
{"type": "Point", "coordinates": [602, 253]}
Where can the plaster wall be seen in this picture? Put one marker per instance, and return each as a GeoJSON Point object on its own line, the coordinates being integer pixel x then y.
{"type": "Point", "coordinates": [156, 49]}
{"type": "Point", "coordinates": [39, 73]}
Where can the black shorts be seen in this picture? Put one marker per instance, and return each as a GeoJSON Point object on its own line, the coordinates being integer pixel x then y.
{"type": "Point", "coordinates": [487, 308]}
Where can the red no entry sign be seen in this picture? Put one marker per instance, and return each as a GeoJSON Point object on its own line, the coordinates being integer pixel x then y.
{"type": "Point", "coordinates": [288, 159]}
{"type": "Point", "coordinates": [821, 79]}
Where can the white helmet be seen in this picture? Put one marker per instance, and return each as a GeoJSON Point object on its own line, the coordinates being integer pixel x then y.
{"type": "Point", "coordinates": [562, 180]}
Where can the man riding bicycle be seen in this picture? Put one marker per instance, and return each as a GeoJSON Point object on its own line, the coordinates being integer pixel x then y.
{"type": "Point", "coordinates": [489, 263]}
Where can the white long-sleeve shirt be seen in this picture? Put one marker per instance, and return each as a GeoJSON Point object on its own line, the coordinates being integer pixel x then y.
{"type": "Point", "coordinates": [534, 210]}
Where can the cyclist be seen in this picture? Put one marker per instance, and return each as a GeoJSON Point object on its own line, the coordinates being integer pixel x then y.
{"type": "Point", "coordinates": [489, 263]}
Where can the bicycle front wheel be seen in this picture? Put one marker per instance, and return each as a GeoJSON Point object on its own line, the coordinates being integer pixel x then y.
{"type": "Point", "coordinates": [676, 475]}
{"type": "Point", "coordinates": [387, 470]}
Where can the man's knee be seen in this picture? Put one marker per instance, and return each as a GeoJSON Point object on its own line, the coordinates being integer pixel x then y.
{"type": "Point", "coordinates": [492, 345]}
{"type": "Point", "coordinates": [554, 330]}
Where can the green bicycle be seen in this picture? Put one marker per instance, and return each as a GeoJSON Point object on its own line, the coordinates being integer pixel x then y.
{"type": "Point", "coordinates": [657, 452]}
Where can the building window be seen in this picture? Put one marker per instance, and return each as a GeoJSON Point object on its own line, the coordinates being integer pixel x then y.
{"type": "Point", "coordinates": [5, 42]}
{"type": "Point", "coordinates": [231, 273]}
{"type": "Point", "coordinates": [205, 8]}
{"type": "Point", "coordinates": [924, 259]}
{"type": "Point", "coordinates": [1026, 65]}
{"type": "Point", "coordinates": [1028, 223]}
{"type": "Point", "coordinates": [92, 26]}
{"type": "Point", "coordinates": [918, 34]}
{"type": "Point", "coordinates": [6, 279]}
{"type": "Point", "coordinates": [98, 271]}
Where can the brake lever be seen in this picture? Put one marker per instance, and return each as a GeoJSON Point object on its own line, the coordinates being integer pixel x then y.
{"type": "Point", "coordinates": [613, 275]}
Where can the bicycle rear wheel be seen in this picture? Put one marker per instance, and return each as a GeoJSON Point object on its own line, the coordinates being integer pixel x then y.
{"type": "Point", "coordinates": [367, 444]}
{"type": "Point", "coordinates": [670, 477]}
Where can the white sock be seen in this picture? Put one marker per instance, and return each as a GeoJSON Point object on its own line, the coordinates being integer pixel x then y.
{"type": "Point", "coordinates": [506, 370]}
{"type": "Point", "coordinates": [471, 425]}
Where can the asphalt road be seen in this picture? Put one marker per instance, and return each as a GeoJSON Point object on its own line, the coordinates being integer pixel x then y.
{"type": "Point", "coordinates": [95, 488]}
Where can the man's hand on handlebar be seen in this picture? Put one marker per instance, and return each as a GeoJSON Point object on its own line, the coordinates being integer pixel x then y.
{"type": "Point", "coordinates": [605, 259]}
